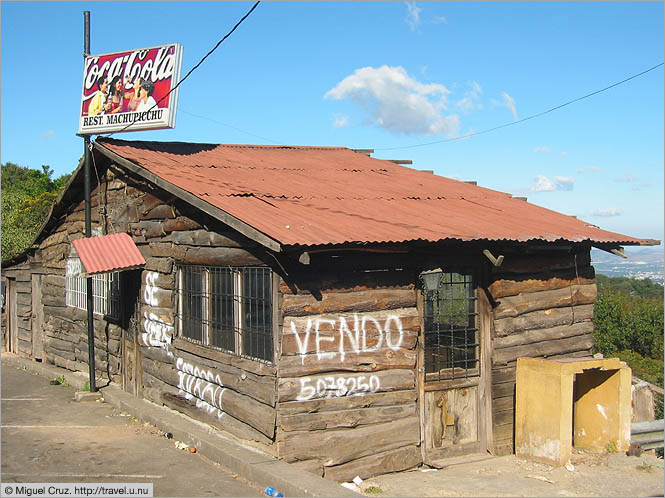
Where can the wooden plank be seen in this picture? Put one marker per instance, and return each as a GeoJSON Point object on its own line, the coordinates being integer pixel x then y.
{"type": "Point", "coordinates": [344, 418]}
{"type": "Point", "coordinates": [217, 213]}
{"type": "Point", "coordinates": [339, 446]}
{"type": "Point", "coordinates": [518, 284]}
{"type": "Point", "coordinates": [321, 405]}
{"type": "Point", "coordinates": [544, 349]}
{"type": "Point", "coordinates": [347, 281]}
{"type": "Point", "coordinates": [540, 335]}
{"type": "Point", "coordinates": [209, 238]}
{"type": "Point", "coordinates": [541, 319]}
{"type": "Point", "coordinates": [505, 403]}
{"type": "Point", "coordinates": [254, 366]}
{"type": "Point", "coordinates": [220, 256]}
{"type": "Point", "coordinates": [485, 385]}
{"type": "Point", "coordinates": [524, 303]}
{"type": "Point", "coordinates": [339, 302]}
{"type": "Point", "coordinates": [326, 386]}
{"type": "Point", "coordinates": [535, 263]}
{"type": "Point", "coordinates": [395, 460]}
{"type": "Point", "coordinates": [503, 448]}
{"type": "Point", "coordinates": [503, 389]}
{"type": "Point", "coordinates": [310, 364]}
{"type": "Point", "coordinates": [503, 374]}
{"type": "Point", "coordinates": [504, 431]}
{"type": "Point", "coordinates": [350, 332]}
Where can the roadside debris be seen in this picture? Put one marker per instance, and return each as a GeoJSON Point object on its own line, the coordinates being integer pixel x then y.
{"type": "Point", "coordinates": [539, 478]}
{"type": "Point", "coordinates": [351, 486]}
{"type": "Point", "coordinates": [569, 466]}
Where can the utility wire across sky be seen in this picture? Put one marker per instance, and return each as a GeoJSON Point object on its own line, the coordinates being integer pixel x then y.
{"type": "Point", "coordinates": [468, 135]}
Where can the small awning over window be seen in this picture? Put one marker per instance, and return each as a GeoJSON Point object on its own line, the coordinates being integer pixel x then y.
{"type": "Point", "coordinates": [115, 252]}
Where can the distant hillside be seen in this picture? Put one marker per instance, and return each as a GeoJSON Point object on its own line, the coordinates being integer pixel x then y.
{"type": "Point", "coordinates": [630, 286]}
{"type": "Point", "coordinates": [642, 263]}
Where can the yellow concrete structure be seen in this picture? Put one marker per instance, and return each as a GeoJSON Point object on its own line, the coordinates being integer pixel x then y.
{"type": "Point", "coordinates": [565, 402]}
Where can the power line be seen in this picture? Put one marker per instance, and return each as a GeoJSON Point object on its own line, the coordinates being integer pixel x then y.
{"type": "Point", "coordinates": [228, 125]}
{"type": "Point", "coordinates": [197, 64]}
{"type": "Point", "coordinates": [468, 135]}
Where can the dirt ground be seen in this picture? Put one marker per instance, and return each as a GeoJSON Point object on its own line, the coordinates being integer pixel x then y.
{"type": "Point", "coordinates": [590, 475]}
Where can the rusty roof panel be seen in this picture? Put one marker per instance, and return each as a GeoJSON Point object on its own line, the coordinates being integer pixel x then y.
{"type": "Point", "coordinates": [115, 252]}
{"type": "Point", "coordinates": [309, 196]}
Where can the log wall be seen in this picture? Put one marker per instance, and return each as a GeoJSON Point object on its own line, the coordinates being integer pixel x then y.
{"type": "Point", "coordinates": [543, 307]}
{"type": "Point", "coordinates": [223, 390]}
{"type": "Point", "coordinates": [347, 401]}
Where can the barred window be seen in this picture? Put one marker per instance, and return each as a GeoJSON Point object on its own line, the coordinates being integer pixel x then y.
{"type": "Point", "coordinates": [105, 290]}
{"type": "Point", "coordinates": [228, 308]}
{"type": "Point", "coordinates": [451, 326]}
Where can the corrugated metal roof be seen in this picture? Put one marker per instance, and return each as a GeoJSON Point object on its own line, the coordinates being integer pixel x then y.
{"type": "Point", "coordinates": [308, 196]}
{"type": "Point", "coordinates": [108, 253]}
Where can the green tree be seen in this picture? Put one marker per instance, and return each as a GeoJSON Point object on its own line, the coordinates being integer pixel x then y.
{"type": "Point", "coordinates": [27, 197]}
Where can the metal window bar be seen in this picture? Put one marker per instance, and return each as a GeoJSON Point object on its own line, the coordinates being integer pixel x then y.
{"type": "Point", "coordinates": [228, 308]}
{"type": "Point", "coordinates": [451, 328]}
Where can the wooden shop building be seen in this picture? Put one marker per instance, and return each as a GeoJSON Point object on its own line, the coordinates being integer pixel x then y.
{"type": "Point", "coordinates": [351, 315]}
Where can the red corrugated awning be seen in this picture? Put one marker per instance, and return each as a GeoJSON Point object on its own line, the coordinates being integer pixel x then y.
{"type": "Point", "coordinates": [115, 252]}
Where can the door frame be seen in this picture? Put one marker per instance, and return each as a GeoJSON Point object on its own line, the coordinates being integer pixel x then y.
{"type": "Point", "coordinates": [484, 443]}
{"type": "Point", "coordinates": [12, 316]}
{"type": "Point", "coordinates": [37, 318]}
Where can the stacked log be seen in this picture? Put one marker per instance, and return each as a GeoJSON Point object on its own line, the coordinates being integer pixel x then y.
{"type": "Point", "coordinates": [543, 308]}
{"type": "Point", "coordinates": [346, 387]}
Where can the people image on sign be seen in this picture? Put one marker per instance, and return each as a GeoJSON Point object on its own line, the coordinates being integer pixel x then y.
{"type": "Point", "coordinates": [146, 102]}
{"type": "Point", "coordinates": [117, 95]}
{"type": "Point", "coordinates": [98, 101]}
{"type": "Point", "coordinates": [132, 95]}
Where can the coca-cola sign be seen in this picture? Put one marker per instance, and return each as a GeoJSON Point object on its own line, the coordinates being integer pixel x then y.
{"type": "Point", "coordinates": [129, 91]}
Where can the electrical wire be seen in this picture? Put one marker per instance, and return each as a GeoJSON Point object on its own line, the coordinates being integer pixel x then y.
{"type": "Point", "coordinates": [468, 135]}
{"type": "Point", "coordinates": [196, 66]}
{"type": "Point", "coordinates": [228, 125]}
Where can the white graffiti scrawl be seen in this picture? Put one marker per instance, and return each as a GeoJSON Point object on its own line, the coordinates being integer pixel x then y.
{"type": "Point", "coordinates": [197, 383]}
{"type": "Point", "coordinates": [157, 331]}
{"type": "Point", "coordinates": [356, 334]}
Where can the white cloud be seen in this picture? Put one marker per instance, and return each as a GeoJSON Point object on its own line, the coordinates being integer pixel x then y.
{"type": "Point", "coordinates": [469, 102]}
{"type": "Point", "coordinates": [595, 169]}
{"type": "Point", "coordinates": [607, 212]}
{"type": "Point", "coordinates": [413, 15]}
{"type": "Point", "coordinates": [397, 102]}
{"type": "Point", "coordinates": [544, 184]}
{"type": "Point", "coordinates": [509, 103]}
{"type": "Point", "coordinates": [48, 134]}
{"type": "Point", "coordinates": [542, 148]}
{"type": "Point", "coordinates": [340, 121]}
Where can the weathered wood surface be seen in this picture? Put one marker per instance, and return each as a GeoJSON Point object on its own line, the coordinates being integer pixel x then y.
{"type": "Point", "coordinates": [344, 418]}
{"type": "Point", "coordinates": [544, 349]}
{"type": "Point", "coordinates": [339, 302]}
{"type": "Point", "coordinates": [539, 335]}
{"type": "Point", "coordinates": [344, 445]}
{"type": "Point", "coordinates": [310, 364]}
{"type": "Point", "coordinates": [207, 238]}
{"type": "Point", "coordinates": [519, 284]}
{"type": "Point", "coordinates": [291, 389]}
{"type": "Point", "coordinates": [257, 367]}
{"type": "Point", "coordinates": [541, 319]}
{"type": "Point", "coordinates": [220, 256]}
{"type": "Point", "coordinates": [260, 387]}
{"type": "Point", "coordinates": [535, 263]}
{"type": "Point", "coordinates": [380, 463]}
{"type": "Point", "coordinates": [575, 295]}
{"type": "Point", "coordinates": [345, 331]}
{"type": "Point", "coordinates": [164, 394]}
{"type": "Point", "coordinates": [504, 403]}
{"type": "Point", "coordinates": [345, 281]}
{"type": "Point", "coordinates": [320, 405]}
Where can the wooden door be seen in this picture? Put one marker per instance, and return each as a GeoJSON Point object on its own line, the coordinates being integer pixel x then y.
{"type": "Point", "coordinates": [37, 318]}
{"type": "Point", "coordinates": [12, 316]}
{"type": "Point", "coordinates": [132, 377]}
{"type": "Point", "coordinates": [452, 366]}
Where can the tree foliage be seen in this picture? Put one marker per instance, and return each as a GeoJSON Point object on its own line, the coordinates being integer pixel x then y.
{"type": "Point", "coordinates": [629, 324]}
{"type": "Point", "coordinates": [27, 197]}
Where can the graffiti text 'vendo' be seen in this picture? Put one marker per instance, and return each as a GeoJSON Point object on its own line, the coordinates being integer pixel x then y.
{"type": "Point", "coordinates": [356, 334]}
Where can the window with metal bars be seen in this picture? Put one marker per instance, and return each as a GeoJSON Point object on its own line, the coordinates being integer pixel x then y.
{"type": "Point", "coordinates": [105, 290]}
{"type": "Point", "coordinates": [229, 308]}
{"type": "Point", "coordinates": [451, 326]}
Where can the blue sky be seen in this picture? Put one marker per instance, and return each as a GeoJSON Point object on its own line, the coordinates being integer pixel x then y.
{"type": "Point", "coordinates": [379, 75]}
